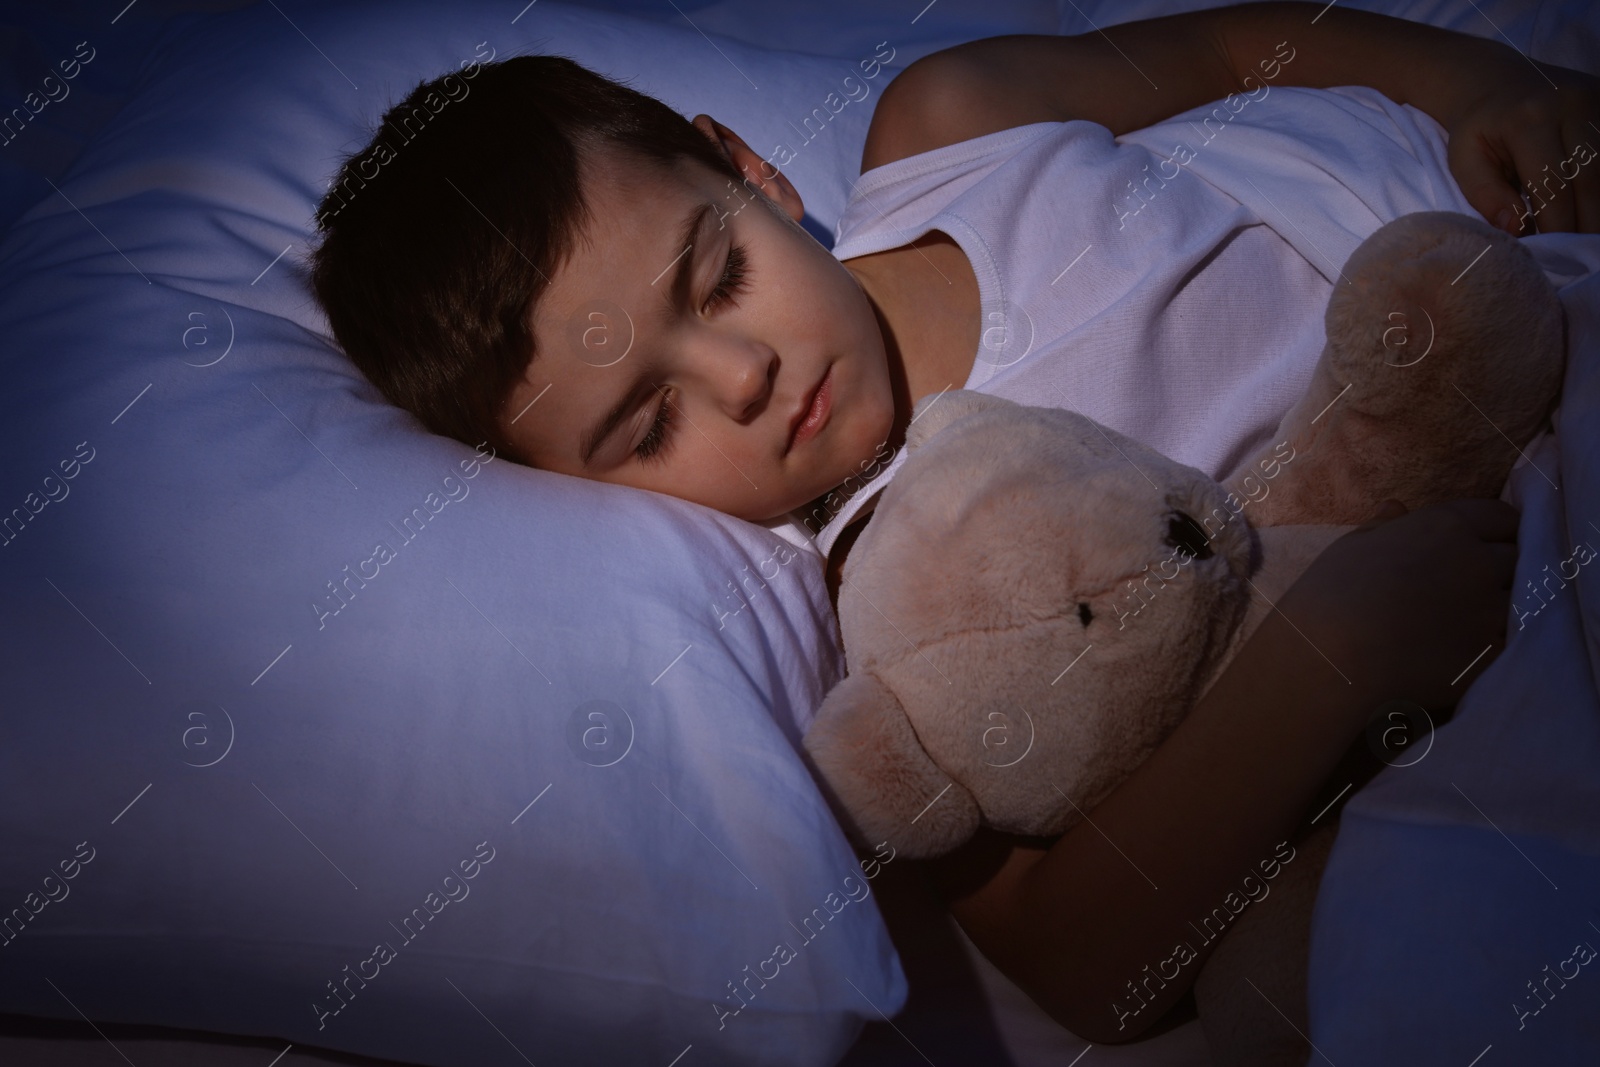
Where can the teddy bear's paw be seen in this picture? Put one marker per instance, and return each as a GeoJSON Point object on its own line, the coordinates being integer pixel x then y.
{"type": "Point", "coordinates": [885, 786]}
{"type": "Point", "coordinates": [1437, 305]}
{"type": "Point", "coordinates": [1451, 342]}
{"type": "Point", "coordinates": [1406, 301]}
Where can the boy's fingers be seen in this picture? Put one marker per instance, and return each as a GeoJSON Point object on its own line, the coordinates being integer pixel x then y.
{"type": "Point", "coordinates": [1487, 162]}
{"type": "Point", "coordinates": [1581, 162]}
{"type": "Point", "coordinates": [1539, 156]}
{"type": "Point", "coordinates": [1483, 167]}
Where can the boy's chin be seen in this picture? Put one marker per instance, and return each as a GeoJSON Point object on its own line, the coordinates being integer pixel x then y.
{"type": "Point", "coordinates": [801, 509]}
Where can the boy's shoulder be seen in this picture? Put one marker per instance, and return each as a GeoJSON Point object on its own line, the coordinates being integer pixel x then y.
{"type": "Point", "coordinates": [954, 95]}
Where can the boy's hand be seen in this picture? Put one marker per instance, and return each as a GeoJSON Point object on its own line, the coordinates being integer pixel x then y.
{"type": "Point", "coordinates": [1534, 130]}
{"type": "Point", "coordinates": [1403, 604]}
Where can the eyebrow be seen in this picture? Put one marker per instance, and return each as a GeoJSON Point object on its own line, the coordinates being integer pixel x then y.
{"type": "Point", "coordinates": [677, 295]}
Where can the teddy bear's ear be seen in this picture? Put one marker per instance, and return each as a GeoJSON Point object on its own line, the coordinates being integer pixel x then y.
{"type": "Point", "coordinates": [885, 786]}
{"type": "Point", "coordinates": [937, 410]}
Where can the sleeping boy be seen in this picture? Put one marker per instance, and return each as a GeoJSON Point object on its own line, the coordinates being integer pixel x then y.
{"type": "Point", "coordinates": [595, 285]}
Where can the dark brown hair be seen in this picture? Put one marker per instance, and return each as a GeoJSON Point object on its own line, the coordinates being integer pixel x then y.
{"type": "Point", "coordinates": [439, 236]}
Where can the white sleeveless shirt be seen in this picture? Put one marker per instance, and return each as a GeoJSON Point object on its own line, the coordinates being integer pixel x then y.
{"type": "Point", "coordinates": [1169, 283]}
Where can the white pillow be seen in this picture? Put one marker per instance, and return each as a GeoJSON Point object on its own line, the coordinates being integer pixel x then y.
{"type": "Point", "coordinates": [537, 698]}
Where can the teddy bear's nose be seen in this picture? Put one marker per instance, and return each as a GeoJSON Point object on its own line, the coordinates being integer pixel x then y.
{"type": "Point", "coordinates": [1183, 532]}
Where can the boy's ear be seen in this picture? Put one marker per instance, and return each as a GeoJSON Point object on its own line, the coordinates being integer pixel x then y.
{"type": "Point", "coordinates": [757, 171]}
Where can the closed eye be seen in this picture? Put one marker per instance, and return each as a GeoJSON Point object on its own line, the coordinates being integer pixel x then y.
{"type": "Point", "coordinates": [734, 280]}
{"type": "Point", "coordinates": [655, 440]}
{"type": "Point", "coordinates": [735, 273]}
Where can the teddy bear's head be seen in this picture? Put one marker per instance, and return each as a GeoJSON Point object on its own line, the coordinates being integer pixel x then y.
{"type": "Point", "coordinates": [1032, 608]}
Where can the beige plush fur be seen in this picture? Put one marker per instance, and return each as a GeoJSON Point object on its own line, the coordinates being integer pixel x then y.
{"type": "Point", "coordinates": [1038, 600]}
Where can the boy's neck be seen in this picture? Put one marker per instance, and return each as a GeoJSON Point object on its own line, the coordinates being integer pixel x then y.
{"type": "Point", "coordinates": [925, 296]}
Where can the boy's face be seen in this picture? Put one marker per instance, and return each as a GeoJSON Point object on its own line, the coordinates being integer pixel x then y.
{"type": "Point", "coordinates": [709, 341]}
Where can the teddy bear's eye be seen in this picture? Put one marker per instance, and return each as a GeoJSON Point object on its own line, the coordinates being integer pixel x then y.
{"type": "Point", "coordinates": [1084, 613]}
{"type": "Point", "coordinates": [1183, 532]}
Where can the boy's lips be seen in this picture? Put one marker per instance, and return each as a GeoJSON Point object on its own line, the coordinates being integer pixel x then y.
{"type": "Point", "coordinates": [804, 423]}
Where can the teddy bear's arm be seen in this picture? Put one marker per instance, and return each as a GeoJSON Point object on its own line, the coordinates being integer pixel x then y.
{"type": "Point", "coordinates": [1073, 924]}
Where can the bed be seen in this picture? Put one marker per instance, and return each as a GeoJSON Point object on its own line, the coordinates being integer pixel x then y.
{"type": "Point", "coordinates": [291, 681]}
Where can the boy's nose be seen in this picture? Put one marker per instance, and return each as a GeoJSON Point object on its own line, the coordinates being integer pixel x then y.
{"type": "Point", "coordinates": [745, 380]}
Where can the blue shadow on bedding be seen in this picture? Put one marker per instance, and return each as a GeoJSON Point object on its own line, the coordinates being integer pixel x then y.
{"type": "Point", "coordinates": [1462, 951]}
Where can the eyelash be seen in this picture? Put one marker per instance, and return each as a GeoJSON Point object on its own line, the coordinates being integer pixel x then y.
{"type": "Point", "coordinates": [732, 282]}
{"type": "Point", "coordinates": [733, 277]}
{"type": "Point", "coordinates": [654, 441]}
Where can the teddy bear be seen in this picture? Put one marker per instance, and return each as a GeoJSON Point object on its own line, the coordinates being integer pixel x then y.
{"type": "Point", "coordinates": [1038, 599]}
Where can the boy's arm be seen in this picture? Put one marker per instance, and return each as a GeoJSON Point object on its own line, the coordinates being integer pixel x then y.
{"type": "Point", "coordinates": [1116, 894]}
{"type": "Point", "coordinates": [1508, 117]}
{"type": "Point", "coordinates": [1392, 609]}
